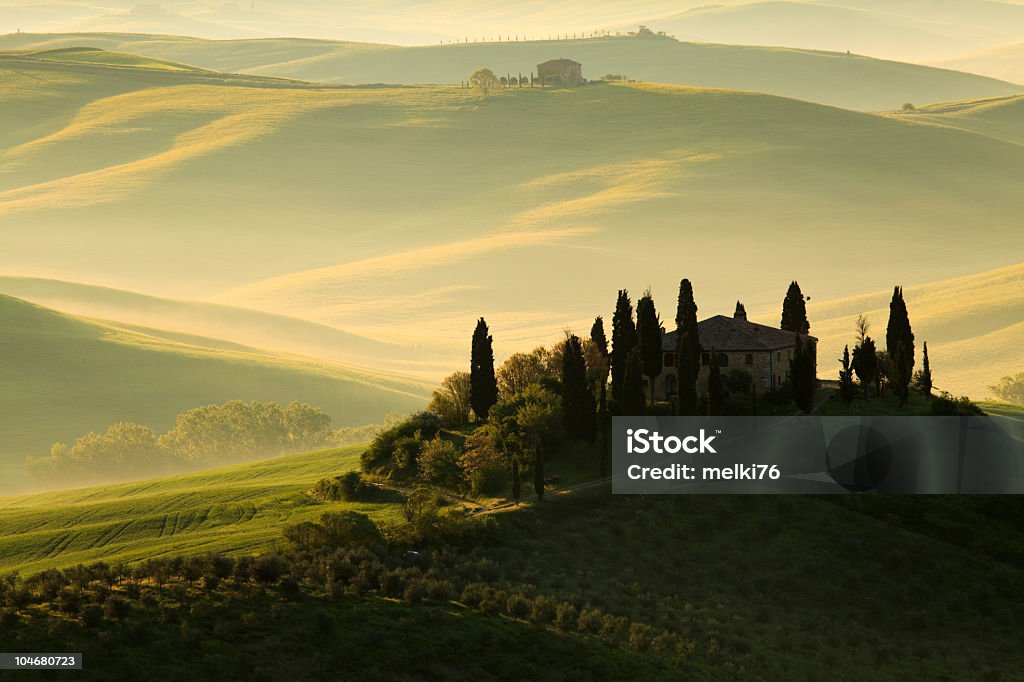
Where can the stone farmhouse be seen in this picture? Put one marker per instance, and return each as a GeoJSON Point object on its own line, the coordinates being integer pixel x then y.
{"type": "Point", "coordinates": [763, 352]}
{"type": "Point", "coordinates": [560, 72]}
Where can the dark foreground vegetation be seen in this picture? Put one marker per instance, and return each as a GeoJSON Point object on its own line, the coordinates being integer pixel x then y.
{"type": "Point", "coordinates": [582, 587]}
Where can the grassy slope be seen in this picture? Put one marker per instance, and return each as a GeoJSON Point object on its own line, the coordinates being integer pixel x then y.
{"type": "Point", "coordinates": [238, 325]}
{"type": "Point", "coordinates": [827, 77]}
{"type": "Point", "coordinates": [973, 326]}
{"type": "Point", "coordinates": [405, 252]}
{"type": "Point", "coordinates": [64, 376]}
{"type": "Point", "coordinates": [1002, 62]}
{"type": "Point", "coordinates": [237, 509]}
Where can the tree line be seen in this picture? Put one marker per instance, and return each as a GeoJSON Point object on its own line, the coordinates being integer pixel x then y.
{"type": "Point", "coordinates": [209, 435]}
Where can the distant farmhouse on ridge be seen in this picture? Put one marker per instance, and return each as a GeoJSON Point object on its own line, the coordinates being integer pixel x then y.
{"type": "Point", "coordinates": [761, 351]}
{"type": "Point", "coordinates": [560, 72]}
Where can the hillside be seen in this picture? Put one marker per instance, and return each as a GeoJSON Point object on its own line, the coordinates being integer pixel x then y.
{"type": "Point", "coordinates": [1001, 118]}
{"type": "Point", "coordinates": [907, 30]}
{"type": "Point", "coordinates": [834, 78]}
{"type": "Point", "coordinates": [64, 376]}
{"type": "Point", "coordinates": [728, 587]}
{"type": "Point", "coordinates": [354, 227]}
{"type": "Point", "coordinates": [1002, 62]}
{"type": "Point", "coordinates": [237, 509]}
{"type": "Point", "coordinates": [974, 327]}
{"type": "Point", "coordinates": [238, 325]}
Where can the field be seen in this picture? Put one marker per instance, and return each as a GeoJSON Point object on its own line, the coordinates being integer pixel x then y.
{"type": "Point", "coordinates": [1000, 62]}
{"type": "Point", "coordinates": [64, 376]}
{"type": "Point", "coordinates": [835, 78]}
{"type": "Point", "coordinates": [235, 510]}
{"type": "Point", "coordinates": [353, 228]}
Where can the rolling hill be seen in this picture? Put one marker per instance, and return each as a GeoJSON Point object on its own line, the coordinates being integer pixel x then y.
{"type": "Point", "coordinates": [234, 510]}
{"type": "Point", "coordinates": [63, 376]}
{"type": "Point", "coordinates": [907, 30]}
{"type": "Point", "coordinates": [425, 361]}
{"type": "Point", "coordinates": [405, 213]}
{"type": "Point", "coordinates": [833, 78]}
{"type": "Point", "coordinates": [974, 327]}
{"type": "Point", "coordinates": [1001, 62]}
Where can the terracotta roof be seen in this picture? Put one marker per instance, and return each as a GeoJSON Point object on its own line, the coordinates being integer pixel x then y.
{"type": "Point", "coordinates": [560, 60]}
{"type": "Point", "coordinates": [734, 334]}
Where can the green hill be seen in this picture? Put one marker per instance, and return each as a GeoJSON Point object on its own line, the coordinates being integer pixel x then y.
{"type": "Point", "coordinates": [834, 78]}
{"type": "Point", "coordinates": [237, 509]}
{"type": "Point", "coordinates": [64, 376]}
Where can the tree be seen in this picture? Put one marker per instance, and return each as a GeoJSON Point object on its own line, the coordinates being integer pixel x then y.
{"type": "Point", "coordinates": [846, 377]}
{"type": "Point", "coordinates": [624, 340]}
{"type": "Point", "coordinates": [484, 80]}
{"type": "Point", "coordinates": [899, 344]}
{"type": "Point", "coordinates": [688, 350]}
{"type": "Point", "coordinates": [439, 464]}
{"type": "Point", "coordinates": [716, 394]}
{"type": "Point", "coordinates": [1010, 388]}
{"type": "Point", "coordinates": [600, 375]}
{"type": "Point", "coordinates": [865, 363]}
{"type": "Point", "coordinates": [923, 378]}
{"type": "Point", "coordinates": [633, 398]}
{"type": "Point", "coordinates": [522, 369]}
{"type": "Point", "coordinates": [523, 426]}
{"type": "Point", "coordinates": [578, 410]}
{"type": "Point", "coordinates": [649, 333]}
{"type": "Point", "coordinates": [483, 386]}
{"type": "Point", "coordinates": [794, 311]}
{"type": "Point", "coordinates": [450, 402]}
{"type": "Point", "coordinates": [801, 373]}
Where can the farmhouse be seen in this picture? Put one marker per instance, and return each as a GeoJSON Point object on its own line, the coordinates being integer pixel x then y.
{"type": "Point", "coordinates": [560, 72]}
{"type": "Point", "coordinates": [763, 352]}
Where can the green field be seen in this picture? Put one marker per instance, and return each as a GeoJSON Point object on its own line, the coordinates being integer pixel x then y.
{"type": "Point", "coordinates": [835, 78]}
{"type": "Point", "coordinates": [237, 509]}
{"type": "Point", "coordinates": [64, 376]}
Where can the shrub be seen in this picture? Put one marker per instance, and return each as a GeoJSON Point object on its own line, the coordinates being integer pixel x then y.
{"type": "Point", "coordinates": [350, 529]}
{"type": "Point", "coordinates": [566, 617]}
{"type": "Point", "coordinates": [946, 405]}
{"type": "Point", "coordinates": [439, 464]}
{"type": "Point", "coordinates": [640, 636]}
{"type": "Point", "coordinates": [268, 569]}
{"type": "Point", "coordinates": [542, 610]}
{"type": "Point", "coordinates": [394, 451]}
{"type": "Point", "coordinates": [116, 608]}
{"type": "Point", "coordinates": [8, 619]}
{"type": "Point", "coordinates": [92, 616]}
{"type": "Point", "coordinates": [484, 466]}
{"type": "Point", "coordinates": [591, 620]}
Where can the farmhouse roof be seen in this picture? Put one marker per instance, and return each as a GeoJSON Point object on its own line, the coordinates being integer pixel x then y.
{"type": "Point", "coordinates": [736, 334]}
{"type": "Point", "coordinates": [560, 60]}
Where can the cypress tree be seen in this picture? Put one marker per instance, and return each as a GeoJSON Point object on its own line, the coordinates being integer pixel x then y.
{"type": "Point", "coordinates": [716, 396]}
{"type": "Point", "coordinates": [600, 342]}
{"type": "Point", "coordinates": [846, 377]}
{"type": "Point", "coordinates": [623, 342]}
{"type": "Point", "coordinates": [899, 344]}
{"type": "Point", "coordinates": [924, 377]}
{"type": "Point", "coordinates": [794, 311]}
{"type": "Point", "coordinates": [801, 373]}
{"type": "Point", "coordinates": [688, 350]}
{"type": "Point", "coordinates": [578, 410]}
{"type": "Point", "coordinates": [598, 337]}
{"type": "Point", "coordinates": [633, 399]}
{"type": "Point", "coordinates": [649, 333]}
{"type": "Point", "coordinates": [483, 386]}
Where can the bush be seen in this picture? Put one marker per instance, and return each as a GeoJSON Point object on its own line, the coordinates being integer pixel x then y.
{"type": "Point", "coordinates": [116, 608]}
{"type": "Point", "coordinates": [393, 452]}
{"type": "Point", "coordinates": [945, 405]}
{"type": "Point", "coordinates": [268, 569]}
{"type": "Point", "coordinates": [92, 616]}
{"type": "Point", "coordinates": [485, 467]}
{"type": "Point", "coordinates": [439, 464]}
{"type": "Point", "coordinates": [566, 617]}
{"type": "Point", "coordinates": [591, 620]}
